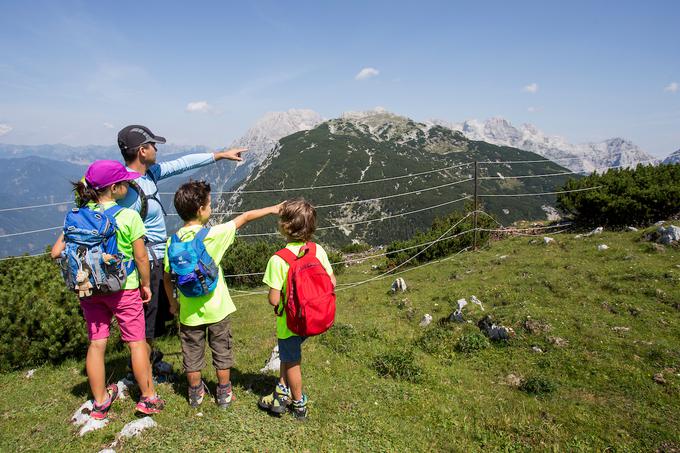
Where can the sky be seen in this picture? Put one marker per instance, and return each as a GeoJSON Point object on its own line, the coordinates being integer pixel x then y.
{"type": "Point", "coordinates": [201, 73]}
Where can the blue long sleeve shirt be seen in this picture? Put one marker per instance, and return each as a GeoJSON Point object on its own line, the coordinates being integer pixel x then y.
{"type": "Point", "coordinates": [156, 231]}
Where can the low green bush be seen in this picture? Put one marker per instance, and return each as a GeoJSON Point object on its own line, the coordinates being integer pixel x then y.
{"type": "Point", "coordinates": [472, 342]}
{"type": "Point", "coordinates": [355, 248]}
{"type": "Point", "coordinates": [538, 385]}
{"type": "Point", "coordinates": [399, 364]}
{"type": "Point", "coordinates": [638, 196]}
{"type": "Point", "coordinates": [438, 340]}
{"type": "Point", "coordinates": [340, 338]}
{"type": "Point", "coordinates": [40, 320]}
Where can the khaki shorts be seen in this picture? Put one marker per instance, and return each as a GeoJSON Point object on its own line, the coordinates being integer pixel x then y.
{"type": "Point", "coordinates": [219, 339]}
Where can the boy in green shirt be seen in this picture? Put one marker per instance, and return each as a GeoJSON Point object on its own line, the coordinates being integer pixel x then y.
{"type": "Point", "coordinates": [211, 311]}
{"type": "Point", "coordinates": [297, 222]}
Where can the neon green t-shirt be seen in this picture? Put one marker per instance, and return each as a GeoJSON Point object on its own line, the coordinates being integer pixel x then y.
{"type": "Point", "coordinates": [276, 277]}
{"type": "Point", "coordinates": [130, 228]}
{"type": "Point", "coordinates": [213, 307]}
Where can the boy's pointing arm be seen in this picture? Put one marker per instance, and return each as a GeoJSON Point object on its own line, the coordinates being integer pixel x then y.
{"type": "Point", "coordinates": [255, 214]}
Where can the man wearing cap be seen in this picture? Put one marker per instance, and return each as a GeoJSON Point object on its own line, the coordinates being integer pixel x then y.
{"type": "Point", "coordinates": [138, 146]}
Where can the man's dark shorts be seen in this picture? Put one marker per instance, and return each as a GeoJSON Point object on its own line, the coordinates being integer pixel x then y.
{"type": "Point", "coordinates": [290, 349]}
{"type": "Point", "coordinates": [219, 339]}
{"type": "Point", "coordinates": [157, 311]}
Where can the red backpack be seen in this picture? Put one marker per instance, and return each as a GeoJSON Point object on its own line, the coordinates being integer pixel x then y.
{"type": "Point", "coordinates": [310, 296]}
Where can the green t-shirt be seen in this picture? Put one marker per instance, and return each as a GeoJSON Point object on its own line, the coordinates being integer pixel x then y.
{"type": "Point", "coordinates": [213, 307]}
{"type": "Point", "coordinates": [130, 228]}
{"type": "Point", "coordinates": [276, 277]}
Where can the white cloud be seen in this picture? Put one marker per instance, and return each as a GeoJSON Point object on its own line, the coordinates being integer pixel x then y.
{"type": "Point", "coordinates": [366, 73]}
{"type": "Point", "coordinates": [533, 109]}
{"type": "Point", "coordinates": [672, 87]}
{"type": "Point", "coordinates": [108, 125]}
{"type": "Point", "coordinates": [532, 88]}
{"type": "Point", "coordinates": [5, 128]}
{"type": "Point", "coordinates": [199, 106]}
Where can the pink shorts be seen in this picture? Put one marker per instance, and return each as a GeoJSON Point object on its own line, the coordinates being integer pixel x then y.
{"type": "Point", "coordinates": [126, 306]}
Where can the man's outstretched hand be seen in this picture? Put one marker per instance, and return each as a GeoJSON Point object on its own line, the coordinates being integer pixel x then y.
{"type": "Point", "coordinates": [231, 154]}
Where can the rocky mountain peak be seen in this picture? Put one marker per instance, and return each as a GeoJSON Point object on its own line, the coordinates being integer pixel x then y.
{"type": "Point", "coordinates": [673, 158]}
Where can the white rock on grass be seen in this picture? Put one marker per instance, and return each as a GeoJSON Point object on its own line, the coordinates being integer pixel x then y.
{"type": "Point", "coordinates": [476, 301]}
{"type": "Point", "coordinates": [399, 285]}
{"type": "Point", "coordinates": [547, 240]}
{"type": "Point", "coordinates": [274, 363]}
{"type": "Point", "coordinates": [597, 230]}
{"type": "Point", "coordinates": [669, 235]}
{"type": "Point", "coordinates": [632, 228]}
{"type": "Point", "coordinates": [602, 247]}
{"type": "Point", "coordinates": [29, 374]}
{"type": "Point", "coordinates": [135, 428]}
{"type": "Point", "coordinates": [82, 414]}
{"type": "Point", "coordinates": [427, 319]}
{"type": "Point", "coordinates": [92, 425]}
{"type": "Point", "coordinates": [107, 450]}
{"type": "Point", "coordinates": [124, 388]}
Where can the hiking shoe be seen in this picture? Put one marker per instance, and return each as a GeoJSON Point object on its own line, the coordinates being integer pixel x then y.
{"type": "Point", "coordinates": [224, 396]}
{"type": "Point", "coordinates": [100, 412]}
{"type": "Point", "coordinates": [197, 393]}
{"type": "Point", "coordinates": [150, 405]}
{"type": "Point", "coordinates": [299, 408]}
{"type": "Point", "coordinates": [276, 402]}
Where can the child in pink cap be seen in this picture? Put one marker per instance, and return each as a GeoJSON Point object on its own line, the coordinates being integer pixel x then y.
{"type": "Point", "coordinates": [105, 182]}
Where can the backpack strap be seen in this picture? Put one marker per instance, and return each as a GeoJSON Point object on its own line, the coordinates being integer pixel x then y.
{"type": "Point", "coordinates": [287, 255]}
{"type": "Point", "coordinates": [200, 236]}
{"type": "Point", "coordinates": [113, 210]}
{"type": "Point", "coordinates": [310, 248]}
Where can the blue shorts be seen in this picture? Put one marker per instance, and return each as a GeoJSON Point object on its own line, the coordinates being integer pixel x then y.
{"type": "Point", "coordinates": [290, 349]}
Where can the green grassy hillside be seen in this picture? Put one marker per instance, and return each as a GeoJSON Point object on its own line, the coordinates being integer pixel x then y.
{"type": "Point", "coordinates": [617, 312]}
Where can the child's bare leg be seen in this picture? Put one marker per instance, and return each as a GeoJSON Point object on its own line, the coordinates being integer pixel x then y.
{"type": "Point", "coordinates": [294, 379]}
{"type": "Point", "coordinates": [282, 374]}
{"type": "Point", "coordinates": [223, 376]}
{"type": "Point", "coordinates": [141, 367]}
{"type": "Point", "coordinates": [94, 364]}
{"type": "Point", "coordinates": [194, 378]}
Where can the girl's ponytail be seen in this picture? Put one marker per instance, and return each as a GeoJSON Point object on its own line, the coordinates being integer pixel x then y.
{"type": "Point", "coordinates": [84, 193]}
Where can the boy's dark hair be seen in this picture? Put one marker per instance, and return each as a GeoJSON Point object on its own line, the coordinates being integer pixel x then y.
{"type": "Point", "coordinates": [297, 220]}
{"type": "Point", "coordinates": [190, 197]}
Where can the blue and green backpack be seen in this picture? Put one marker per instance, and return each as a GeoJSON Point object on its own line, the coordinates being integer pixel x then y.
{"type": "Point", "coordinates": [192, 268]}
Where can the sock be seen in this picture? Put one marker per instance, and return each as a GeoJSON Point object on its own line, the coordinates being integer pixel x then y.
{"type": "Point", "coordinates": [225, 386]}
{"type": "Point", "coordinates": [282, 388]}
{"type": "Point", "coordinates": [301, 402]}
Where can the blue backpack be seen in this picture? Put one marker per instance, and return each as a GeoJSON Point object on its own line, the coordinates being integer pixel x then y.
{"type": "Point", "coordinates": [89, 235]}
{"type": "Point", "coordinates": [192, 268]}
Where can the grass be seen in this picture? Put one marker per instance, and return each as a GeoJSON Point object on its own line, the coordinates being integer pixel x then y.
{"type": "Point", "coordinates": [378, 381]}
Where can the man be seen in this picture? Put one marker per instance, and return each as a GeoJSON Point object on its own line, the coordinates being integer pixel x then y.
{"type": "Point", "coordinates": [138, 146]}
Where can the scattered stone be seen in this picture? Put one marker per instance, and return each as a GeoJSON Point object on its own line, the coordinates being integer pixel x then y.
{"type": "Point", "coordinates": [199, 414]}
{"type": "Point", "coordinates": [578, 236]}
{"type": "Point", "coordinates": [92, 425]}
{"type": "Point", "coordinates": [476, 301]}
{"type": "Point", "coordinates": [502, 257]}
{"type": "Point", "coordinates": [124, 386]}
{"type": "Point", "coordinates": [134, 429]}
{"type": "Point", "coordinates": [659, 379]}
{"type": "Point", "coordinates": [374, 267]}
{"type": "Point", "coordinates": [427, 319]}
{"type": "Point", "coordinates": [596, 231]}
{"type": "Point", "coordinates": [274, 362]}
{"type": "Point", "coordinates": [558, 342]}
{"type": "Point", "coordinates": [107, 450]}
{"type": "Point", "coordinates": [399, 285]}
{"type": "Point", "coordinates": [30, 373]}
{"type": "Point", "coordinates": [658, 248]}
{"type": "Point", "coordinates": [513, 380]}
{"type": "Point", "coordinates": [537, 350]}
{"type": "Point", "coordinates": [495, 331]}
{"type": "Point", "coordinates": [632, 228]}
{"type": "Point", "coordinates": [82, 414]}
{"type": "Point", "coordinates": [506, 211]}
{"type": "Point", "coordinates": [535, 327]}
{"type": "Point", "coordinates": [620, 329]}
{"type": "Point", "coordinates": [602, 247]}
{"type": "Point", "coordinates": [669, 234]}
{"type": "Point", "coordinates": [457, 315]}
{"type": "Point", "coordinates": [547, 240]}
{"type": "Point", "coordinates": [659, 223]}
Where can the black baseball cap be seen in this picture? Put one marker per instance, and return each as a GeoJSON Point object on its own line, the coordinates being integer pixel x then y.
{"type": "Point", "coordinates": [134, 136]}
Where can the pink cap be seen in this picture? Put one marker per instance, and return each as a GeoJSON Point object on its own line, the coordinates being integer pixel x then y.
{"type": "Point", "coordinates": [103, 173]}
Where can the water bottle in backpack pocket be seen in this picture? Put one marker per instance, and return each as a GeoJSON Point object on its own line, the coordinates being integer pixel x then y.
{"type": "Point", "coordinates": [91, 262]}
{"type": "Point", "coordinates": [193, 270]}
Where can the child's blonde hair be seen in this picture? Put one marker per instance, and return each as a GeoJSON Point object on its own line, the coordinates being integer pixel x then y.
{"type": "Point", "coordinates": [297, 220]}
